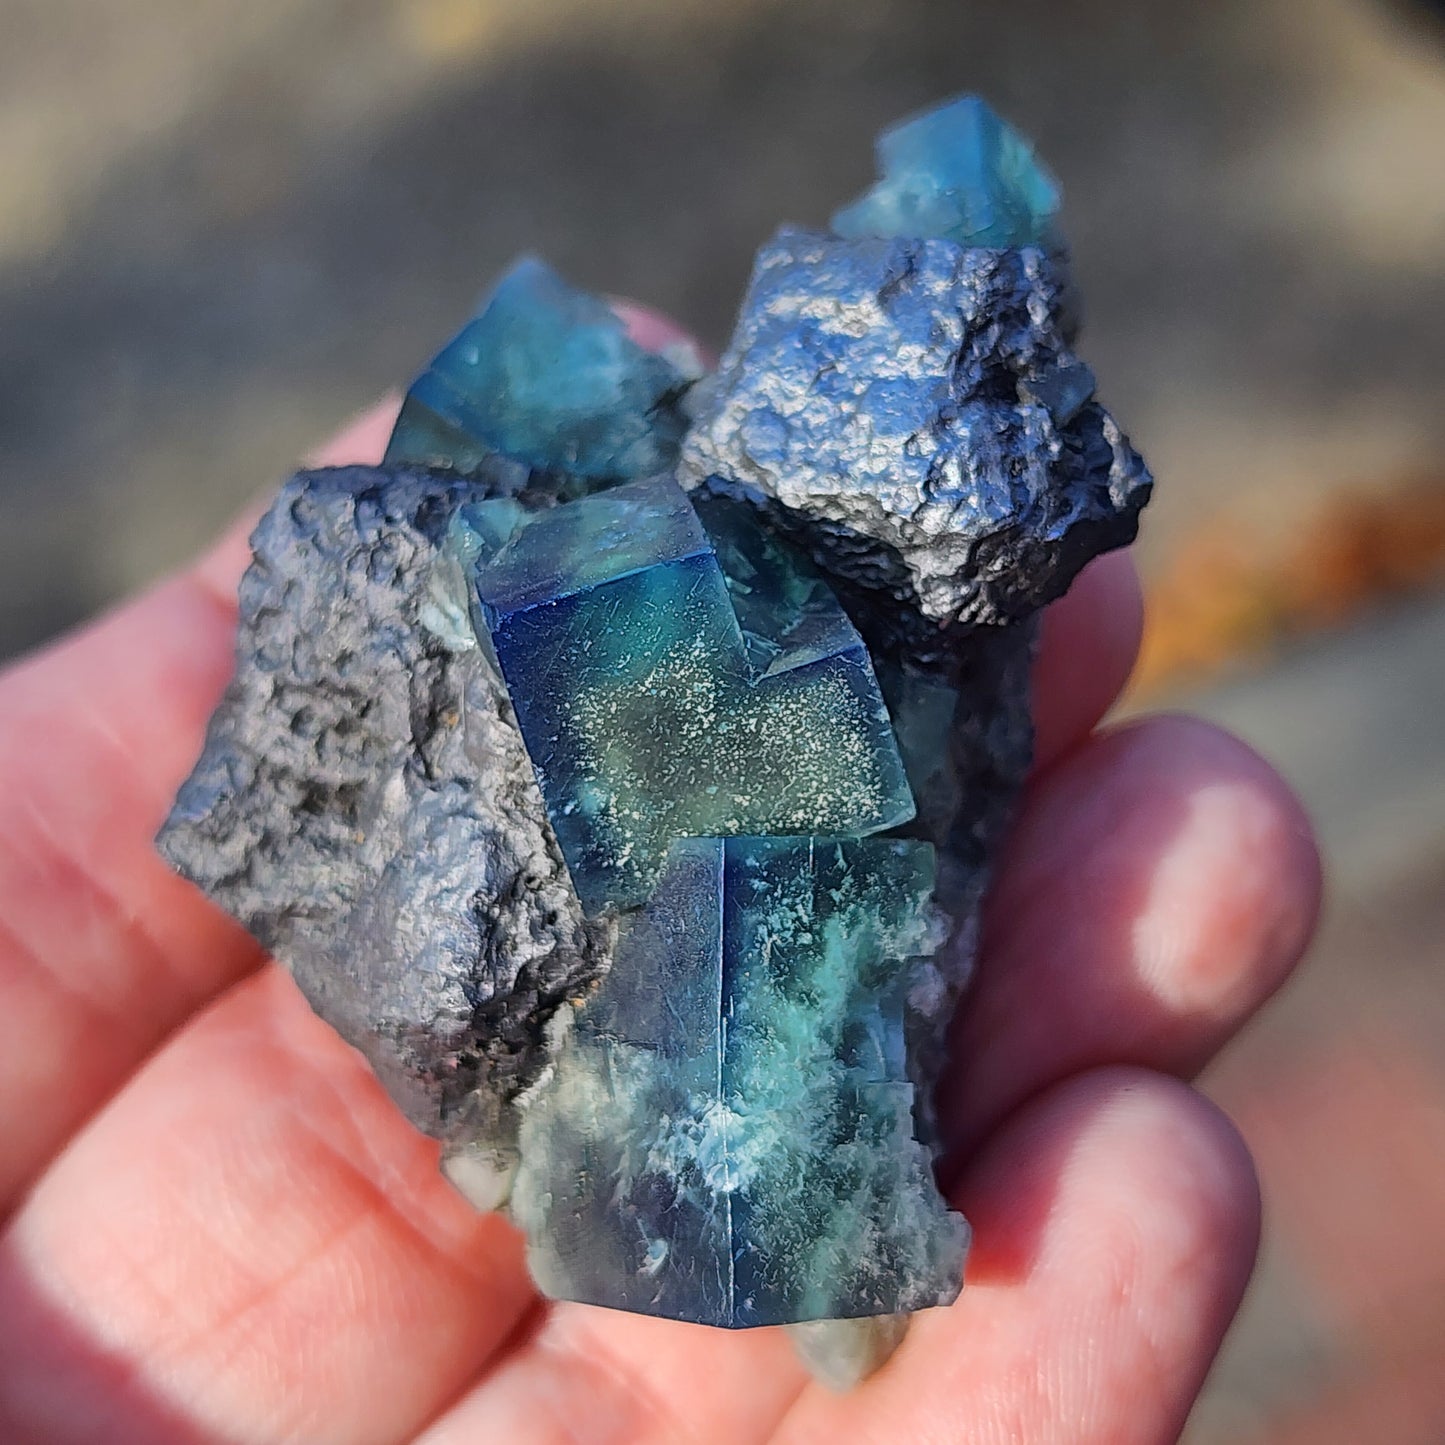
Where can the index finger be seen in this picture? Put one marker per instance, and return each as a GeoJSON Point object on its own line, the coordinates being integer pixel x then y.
{"type": "Point", "coordinates": [103, 950]}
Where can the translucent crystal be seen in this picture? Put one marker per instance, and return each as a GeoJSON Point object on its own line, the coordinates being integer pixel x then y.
{"type": "Point", "coordinates": [728, 1136]}
{"type": "Point", "coordinates": [786, 611]}
{"type": "Point", "coordinates": [661, 696]}
{"type": "Point", "coordinates": [843, 1353]}
{"type": "Point", "coordinates": [546, 374]}
{"type": "Point", "coordinates": [836, 1211]}
{"type": "Point", "coordinates": [958, 173]}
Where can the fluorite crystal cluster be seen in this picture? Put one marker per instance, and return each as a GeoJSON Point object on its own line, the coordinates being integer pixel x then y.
{"type": "Point", "coordinates": [653, 706]}
{"type": "Point", "coordinates": [619, 764]}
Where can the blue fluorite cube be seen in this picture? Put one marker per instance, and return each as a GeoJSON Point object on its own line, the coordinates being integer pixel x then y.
{"type": "Point", "coordinates": [548, 375]}
{"type": "Point", "coordinates": [958, 173]}
{"type": "Point", "coordinates": [786, 612]}
{"type": "Point", "coordinates": [622, 1183]}
{"type": "Point", "coordinates": [523, 557]}
{"type": "Point", "coordinates": [661, 696]}
{"type": "Point", "coordinates": [729, 1135]}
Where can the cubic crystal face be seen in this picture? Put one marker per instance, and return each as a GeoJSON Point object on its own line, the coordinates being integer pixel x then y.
{"type": "Point", "coordinates": [648, 711]}
{"type": "Point", "coordinates": [548, 375]}
{"type": "Point", "coordinates": [728, 1136]}
{"type": "Point", "coordinates": [957, 173]}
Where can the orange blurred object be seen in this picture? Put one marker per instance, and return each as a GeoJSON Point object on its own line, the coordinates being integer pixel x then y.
{"type": "Point", "coordinates": [1227, 596]}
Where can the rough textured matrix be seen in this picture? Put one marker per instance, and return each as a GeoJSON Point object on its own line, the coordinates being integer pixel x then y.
{"type": "Point", "coordinates": [337, 809]}
{"type": "Point", "coordinates": [911, 412]}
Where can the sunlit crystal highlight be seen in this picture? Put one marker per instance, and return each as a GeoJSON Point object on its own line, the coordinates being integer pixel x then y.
{"type": "Point", "coordinates": [548, 375]}
{"type": "Point", "coordinates": [662, 697]}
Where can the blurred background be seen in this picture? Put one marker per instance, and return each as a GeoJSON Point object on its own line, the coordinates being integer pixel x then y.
{"type": "Point", "coordinates": [224, 229]}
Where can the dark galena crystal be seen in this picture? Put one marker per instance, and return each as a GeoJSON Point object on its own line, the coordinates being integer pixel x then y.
{"type": "Point", "coordinates": [626, 789]}
{"type": "Point", "coordinates": [911, 412]}
{"type": "Point", "coordinates": [366, 806]}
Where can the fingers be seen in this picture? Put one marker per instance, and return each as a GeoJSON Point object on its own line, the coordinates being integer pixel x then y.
{"type": "Point", "coordinates": [1087, 646]}
{"type": "Point", "coordinates": [250, 1244]}
{"type": "Point", "coordinates": [591, 1376]}
{"type": "Point", "coordinates": [652, 330]}
{"type": "Point", "coordinates": [1116, 1221]}
{"type": "Point", "coordinates": [103, 951]}
{"type": "Point", "coordinates": [1159, 884]}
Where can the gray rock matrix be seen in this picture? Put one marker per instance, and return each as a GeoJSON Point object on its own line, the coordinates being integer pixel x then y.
{"type": "Point", "coordinates": [913, 413]}
{"type": "Point", "coordinates": [364, 804]}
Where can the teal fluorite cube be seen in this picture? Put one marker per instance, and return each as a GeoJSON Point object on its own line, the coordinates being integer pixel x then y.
{"type": "Point", "coordinates": [786, 612]}
{"type": "Point", "coordinates": [661, 696]}
{"type": "Point", "coordinates": [523, 557]}
{"type": "Point", "coordinates": [548, 375]}
{"type": "Point", "coordinates": [834, 1211]}
{"type": "Point", "coordinates": [729, 1137]}
{"type": "Point", "coordinates": [622, 1187]}
{"type": "Point", "coordinates": [956, 173]}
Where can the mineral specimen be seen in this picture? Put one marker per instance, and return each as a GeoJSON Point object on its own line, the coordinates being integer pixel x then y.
{"type": "Point", "coordinates": [627, 789]}
{"type": "Point", "coordinates": [740, 1082]}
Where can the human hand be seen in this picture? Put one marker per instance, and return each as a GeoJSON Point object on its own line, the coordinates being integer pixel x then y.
{"type": "Point", "coordinates": [216, 1228]}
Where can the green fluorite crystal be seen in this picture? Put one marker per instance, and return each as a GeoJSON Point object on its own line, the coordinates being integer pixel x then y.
{"type": "Point", "coordinates": [728, 1135]}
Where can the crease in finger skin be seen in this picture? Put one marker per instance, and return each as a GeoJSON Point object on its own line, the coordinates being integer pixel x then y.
{"type": "Point", "coordinates": [592, 1376]}
{"type": "Point", "coordinates": [559, 1391]}
{"type": "Point", "coordinates": [251, 1241]}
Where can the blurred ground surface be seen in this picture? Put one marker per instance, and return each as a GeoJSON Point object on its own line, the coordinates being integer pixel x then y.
{"type": "Point", "coordinates": [1339, 1086]}
{"type": "Point", "coordinates": [225, 228]}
